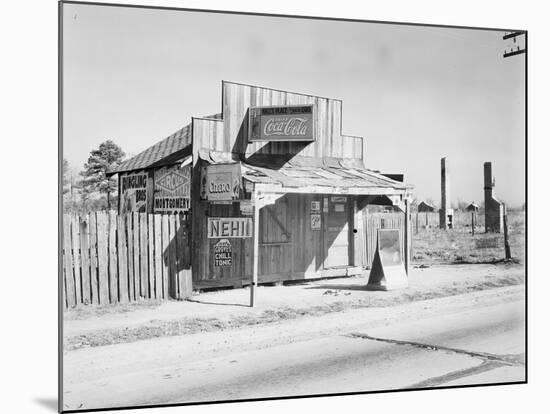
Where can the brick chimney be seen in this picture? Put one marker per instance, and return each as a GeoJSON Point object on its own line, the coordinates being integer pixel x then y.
{"type": "Point", "coordinates": [494, 209]}
{"type": "Point", "coordinates": [446, 212]}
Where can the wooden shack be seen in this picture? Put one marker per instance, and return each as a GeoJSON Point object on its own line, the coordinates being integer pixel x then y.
{"type": "Point", "coordinates": [272, 188]}
{"type": "Point", "coordinates": [425, 207]}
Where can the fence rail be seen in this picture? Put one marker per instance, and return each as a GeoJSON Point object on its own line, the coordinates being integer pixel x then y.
{"type": "Point", "coordinates": [111, 258]}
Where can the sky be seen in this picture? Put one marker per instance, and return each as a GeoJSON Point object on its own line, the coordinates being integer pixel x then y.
{"type": "Point", "coordinates": [415, 93]}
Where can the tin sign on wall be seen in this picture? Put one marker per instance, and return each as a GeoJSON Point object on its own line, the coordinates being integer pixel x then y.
{"type": "Point", "coordinates": [223, 253]}
{"type": "Point", "coordinates": [133, 193]}
{"type": "Point", "coordinates": [221, 182]}
{"type": "Point", "coordinates": [315, 206]}
{"type": "Point", "coordinates": [315, 221]}
{"type": "Point", "coordinates": [229, 227]}
{"type": "Point", "coordinates": [281, 123]}
{"type": "Point", "coordinates": [172, 189]}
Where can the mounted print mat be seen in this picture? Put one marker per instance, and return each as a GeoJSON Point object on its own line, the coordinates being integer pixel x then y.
{"type": "Point", "coordinates": [259, 207]}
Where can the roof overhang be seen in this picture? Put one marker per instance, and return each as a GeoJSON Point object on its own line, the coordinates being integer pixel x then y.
{"type": "Point", "coordinates": [321, 180]}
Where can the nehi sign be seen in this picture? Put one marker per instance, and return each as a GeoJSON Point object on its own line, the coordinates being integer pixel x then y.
{"type": "Point", "coordinates": [281, 123]}
{"type": "Point", "coordinates": [229, 227]}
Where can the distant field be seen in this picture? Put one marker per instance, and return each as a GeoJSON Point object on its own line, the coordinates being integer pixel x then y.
{"type": "Point", "coordinates": [435, 246]}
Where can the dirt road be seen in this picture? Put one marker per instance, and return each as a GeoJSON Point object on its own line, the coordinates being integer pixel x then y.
{"type": "Point", "coordinates": [462, 339]}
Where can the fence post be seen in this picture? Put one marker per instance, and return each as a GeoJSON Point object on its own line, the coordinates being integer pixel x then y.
{"type": "Point", "coordinates": [507, 251]}
{"type": "Point", "coordinates": [85, 259]}
{"type": "Point", "coordinates": [68, 262]}
{"type": "Point", "coordinates": [113, 264]}
{"type": "Point", "coordinates": [407, 235]}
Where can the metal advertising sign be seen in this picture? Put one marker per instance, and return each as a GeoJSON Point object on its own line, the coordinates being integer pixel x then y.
{"type": "Point", "coordinates": [229, 227]}
{"type": "Point", "coordinates": [315, 221]}
{"type": "Point", "coordinates": [389, 247]}
{"type": "Point", "coordinates": [223, 253]}
{"type": "Point", "coordinates": [133, 193]}
{"type": "Point", "coordinates": [338, 199]}
{"type": "Point", "coordinates": [315, 206]}
{"type": "Point", "coordinates": [246, 207]}
{"type": "Point", "coordinates": [221, 182]}
{"type": "Point", "coordinates": [281, 123]}
{"type": "Point", "coordinates": [172, 189]}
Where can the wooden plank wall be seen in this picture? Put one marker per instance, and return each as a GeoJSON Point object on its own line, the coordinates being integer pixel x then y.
{"type": "Point", "coordinates": [110, 259]}
{"type": "Point", "coordinates": [237, 98]}
{"type": "Point", "coordinates": [208, 133]}
{"type": "Point", "coordinates": [276, 238]}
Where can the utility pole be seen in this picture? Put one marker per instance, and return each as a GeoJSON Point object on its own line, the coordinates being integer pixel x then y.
{"type": "Point", "coordinates": [518, 44]}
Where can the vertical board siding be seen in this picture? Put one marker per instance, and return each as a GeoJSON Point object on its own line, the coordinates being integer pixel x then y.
{"type": "Point", "coordinates": [94, 269]}
{"type": "Point", "coordinates": [111, 258]}
{"type": "Point", "coordinates": [103, 257]}
{"type": "Point", "coordinates": [237, 98]}
{"type": "Point", "coordinates": [136, 255]}
{"type": "Point", "coordinates": [165, 255]}
{"type": "Point", "coordinates": [130, 257]}
{"type": "Point", "coordinates": [151, 255]}
{"type": "Point", "coordinates": [172, 255]}
{"type": "Point", "coordinates": [85, 259]}
{"type": "Point", "coordinates": [75, 240]}
{"type": "Point", "coordinates": [68, 261]}
{"type": "Point", "coordinates": [158, 257]}
{"type": "Point", "coordinates": [113, 262]}
{"type": "Point", "coordinates": [122, 261]}
{"type": "Point", "coordinates": [143, 257]}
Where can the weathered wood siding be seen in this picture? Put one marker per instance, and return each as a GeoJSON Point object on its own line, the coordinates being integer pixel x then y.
{"type": "Point", "coordinates": [208, 134]}
{"type": "Point", "coordinates": [110, 259]}
{"type": "Point", "coordinates": [330, 142]}
{"type": "Point", "coordinates": [288, 248]}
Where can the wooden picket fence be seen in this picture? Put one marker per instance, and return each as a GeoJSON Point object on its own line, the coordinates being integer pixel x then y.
{"type": "Point", "coordinates": [110, 258]}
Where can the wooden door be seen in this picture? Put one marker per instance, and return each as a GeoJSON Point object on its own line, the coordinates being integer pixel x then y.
{"type": "Point", "coordinates": [336, 231]}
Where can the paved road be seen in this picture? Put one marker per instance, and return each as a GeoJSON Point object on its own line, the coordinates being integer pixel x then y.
{"type": "Point", "coordinates": [475, 338]}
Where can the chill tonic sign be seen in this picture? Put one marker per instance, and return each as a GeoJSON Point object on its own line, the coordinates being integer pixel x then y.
{"type": "Point", "coordinates": [281, 123]}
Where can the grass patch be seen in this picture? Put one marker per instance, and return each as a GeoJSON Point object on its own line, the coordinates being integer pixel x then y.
{"type": "Point", "coordinates": [458, 246]}
{"type": "Point", "coordinates": [186, 326]}
{"type": "Point", "coordinates": [84, 312]}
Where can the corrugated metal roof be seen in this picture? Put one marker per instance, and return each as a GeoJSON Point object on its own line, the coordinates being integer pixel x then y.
{"type": "Point", "coordinates": [351, 178]}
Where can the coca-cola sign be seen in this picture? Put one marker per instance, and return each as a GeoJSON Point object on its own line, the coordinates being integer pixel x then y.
{"type": "Point", "coordinates": [281, 123]}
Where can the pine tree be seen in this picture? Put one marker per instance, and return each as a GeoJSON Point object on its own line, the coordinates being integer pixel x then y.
{"type": "Point", "coordinates": [94, 177]}
{"type": "Point", "coordinates": [66, 176]}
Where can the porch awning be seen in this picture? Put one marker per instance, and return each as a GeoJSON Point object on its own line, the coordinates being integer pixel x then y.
{"type": "Point", "coordinates": [328, 178]}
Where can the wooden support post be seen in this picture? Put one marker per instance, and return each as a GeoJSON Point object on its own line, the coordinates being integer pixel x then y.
{"type": "Point", "coordinates": [406, 236]}
{"type": "Point", "coordinates": [254, 281]}
{"type": "Point", "coordinates": [507, 251]}
{"type": "Point", "coordinates": [416, 232]}
{"type": "Point", "coordinates": [473, 223]}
